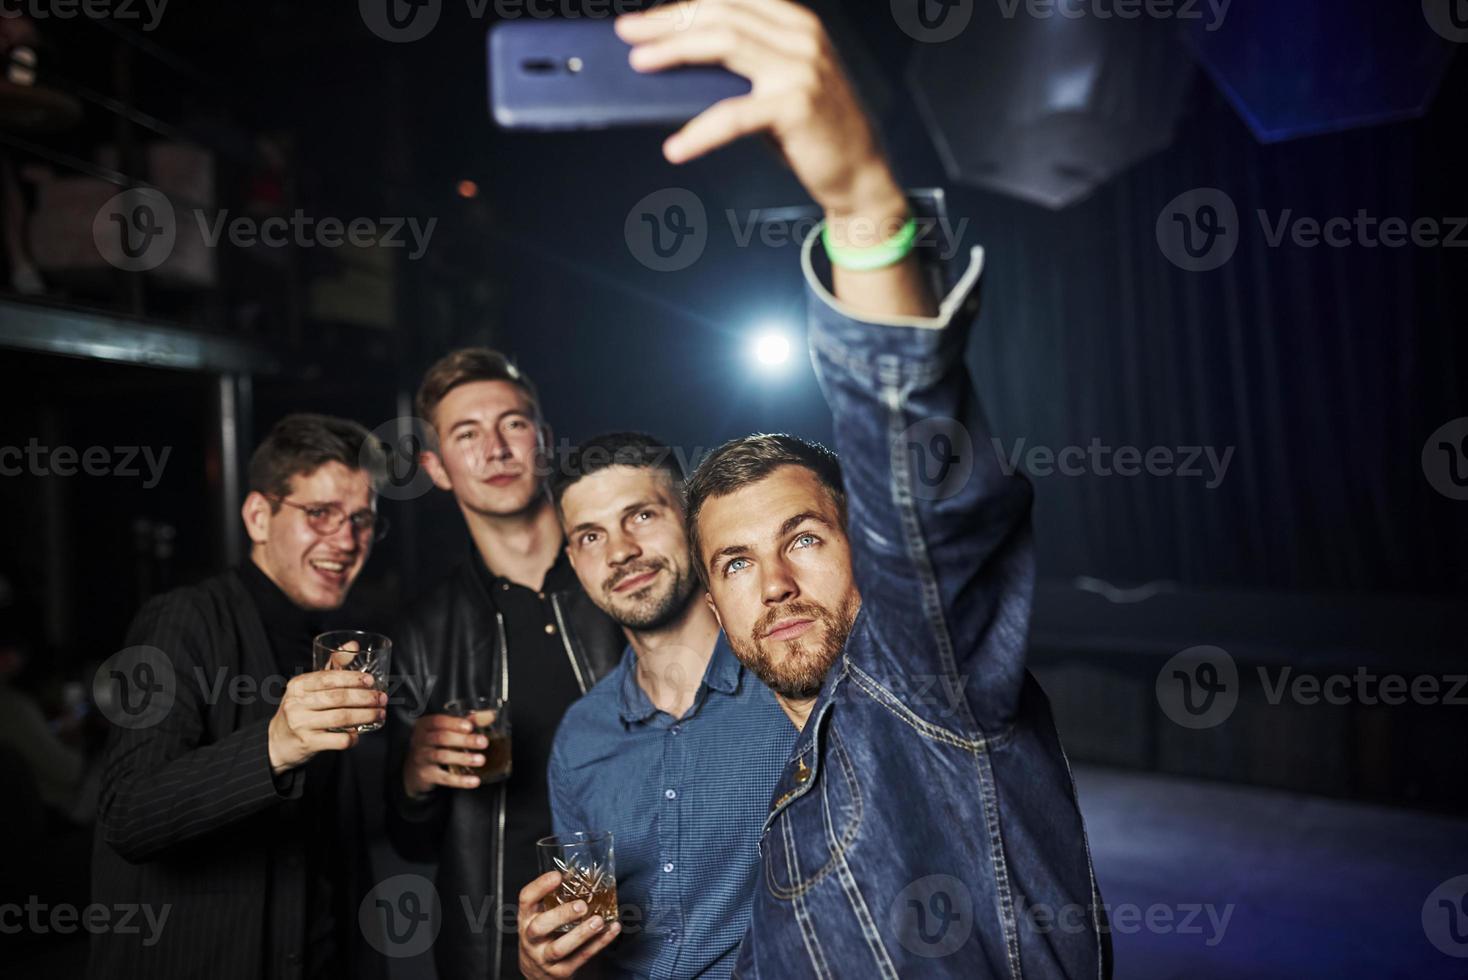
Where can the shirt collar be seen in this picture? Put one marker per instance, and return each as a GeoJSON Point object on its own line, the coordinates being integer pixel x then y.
{"type": "Point", "coordinates": [722, 675]}
{"type": "Point", "coordinates": [558, 578]}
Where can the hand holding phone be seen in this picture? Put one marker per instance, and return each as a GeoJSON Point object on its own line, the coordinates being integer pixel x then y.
{"type": "Point", "coordinates": [574, 74]}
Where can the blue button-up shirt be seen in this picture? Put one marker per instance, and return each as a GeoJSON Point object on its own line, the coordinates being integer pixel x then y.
{"type": "Point", "coordinates": [684, 799]}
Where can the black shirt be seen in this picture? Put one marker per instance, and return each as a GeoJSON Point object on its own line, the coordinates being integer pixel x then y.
{"type": "Point", "coordinates": [542, 684]}
{"type": "Point", "coordinates": [291, 631]}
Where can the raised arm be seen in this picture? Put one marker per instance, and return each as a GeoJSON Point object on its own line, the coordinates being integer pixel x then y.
{"type": "Point", "coordinates": [939, 534]}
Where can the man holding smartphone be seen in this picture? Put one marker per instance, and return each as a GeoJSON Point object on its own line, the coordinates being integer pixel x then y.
{"type": "Point", "coordinates": [218, 814]}
{"type": "Point", "coordinates": [908, 835]}
{"type": "Point", "coordinates": [511, 622]}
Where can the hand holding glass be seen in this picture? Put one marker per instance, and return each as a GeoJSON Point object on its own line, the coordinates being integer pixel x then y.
{"type": "Point", "coordinates": [357, 650]}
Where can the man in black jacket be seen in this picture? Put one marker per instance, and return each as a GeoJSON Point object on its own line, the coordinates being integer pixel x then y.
{"type": "Point", "coordinates": [511, 622]}
{"type": "Point", "coordinates": [218, 810]}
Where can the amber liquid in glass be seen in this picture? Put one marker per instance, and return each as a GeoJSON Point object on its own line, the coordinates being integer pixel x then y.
{"type": "Point", "coordinates": [600, 899]}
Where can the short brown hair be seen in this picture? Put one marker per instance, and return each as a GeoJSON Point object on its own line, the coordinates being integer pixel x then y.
{"type": "Point", "coordinates": [738, 463]}
{"type": "Point", "coordinates": [636, 449]}
{"type": "Point", "coordinates": [300, 444]}
{"type": "Point", "coordinates": [466, 365]}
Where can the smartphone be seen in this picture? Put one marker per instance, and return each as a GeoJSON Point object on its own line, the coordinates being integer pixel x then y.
{"type": "Point", "coordinates": [573, 74]}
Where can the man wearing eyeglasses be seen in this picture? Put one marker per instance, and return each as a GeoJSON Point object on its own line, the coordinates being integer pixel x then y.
{"type": "Point", "coordinates": [217, 818]}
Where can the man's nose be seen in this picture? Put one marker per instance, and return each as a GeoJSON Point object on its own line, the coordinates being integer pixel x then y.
{"type": "Point", "coordinates": [621, 548]}
{"type": "Point", "coordinates": [345, 538]}
{"type": "Point", "coordinates": [779, 585]}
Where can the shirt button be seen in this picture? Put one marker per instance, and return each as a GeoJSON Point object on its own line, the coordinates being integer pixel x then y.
{"type": "Point", "coordinates": [671, 794]}
{"type": "Point", "coordinates": [505, 586]}
{"type": "Point", "coordinates": [676, 729]}
{"type": "Point", "coordinates": [550, 629]}
{"type": "Point", "coordinates": [540, 595]}
{"type": "Point", "coordinates": [668, 868]}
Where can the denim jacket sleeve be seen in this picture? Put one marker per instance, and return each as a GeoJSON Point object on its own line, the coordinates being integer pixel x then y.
{"type": "Point", "coordinates": [940, 533]}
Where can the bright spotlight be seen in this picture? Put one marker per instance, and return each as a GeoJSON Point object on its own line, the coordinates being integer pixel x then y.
{"type": "Point", "coordinates": [771, 348]}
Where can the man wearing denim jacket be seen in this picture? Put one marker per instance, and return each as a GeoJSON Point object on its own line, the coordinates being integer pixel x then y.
{"type": "Point", "coordinates": [926, 823]}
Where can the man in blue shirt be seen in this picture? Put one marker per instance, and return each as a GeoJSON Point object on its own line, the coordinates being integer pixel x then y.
{"type": "Point", "coordinates": [676, 752]}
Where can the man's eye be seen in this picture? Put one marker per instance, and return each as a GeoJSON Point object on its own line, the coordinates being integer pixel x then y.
{"type": "Point", "coordinates": [737, 565]}
{"type": "Point", "coordinates": [588, 538]}
{"type": "Point", "coordinates": [645, 516]}
{"type": "Point", "coordinates": [317, 513]}
{"type": "Point", "coordinates": [517, 424]}
{"type": "Point", "coordinates": [806, 541]}
{"type": "Point", "coordinates": [465, 435]}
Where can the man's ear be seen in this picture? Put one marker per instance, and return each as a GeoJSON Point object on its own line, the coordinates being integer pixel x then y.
{"type": "Point", "coordinates": [256, 513]}
{"type": "Point", "coordinates": [708, 598]}
{"type": "Point", "coordinates": [430, 461]}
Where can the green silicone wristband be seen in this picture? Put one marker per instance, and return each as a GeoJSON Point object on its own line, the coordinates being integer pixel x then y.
{"type": "Point", "coordinates": [890, 252]}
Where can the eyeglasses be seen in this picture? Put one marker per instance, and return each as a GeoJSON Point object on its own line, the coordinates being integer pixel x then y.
{"type": "Point", "coordinates": [327, 519]}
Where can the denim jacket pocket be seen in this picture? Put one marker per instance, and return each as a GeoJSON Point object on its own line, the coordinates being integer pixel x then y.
{"type": "Point", "coordinates": [813, 826]}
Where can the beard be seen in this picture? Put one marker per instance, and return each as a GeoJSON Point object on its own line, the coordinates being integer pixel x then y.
{"type": "Point", "coordinates": [799, 671]}
{"type": "Point", "coordinates": [646, 608]}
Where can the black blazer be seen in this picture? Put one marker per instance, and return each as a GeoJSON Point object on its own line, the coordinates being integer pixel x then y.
{"type": "Point", "coordinates": [191, 823]}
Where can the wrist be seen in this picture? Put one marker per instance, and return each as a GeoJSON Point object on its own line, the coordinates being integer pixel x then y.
{"type": "Point", "coordinates": [873, 194]}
